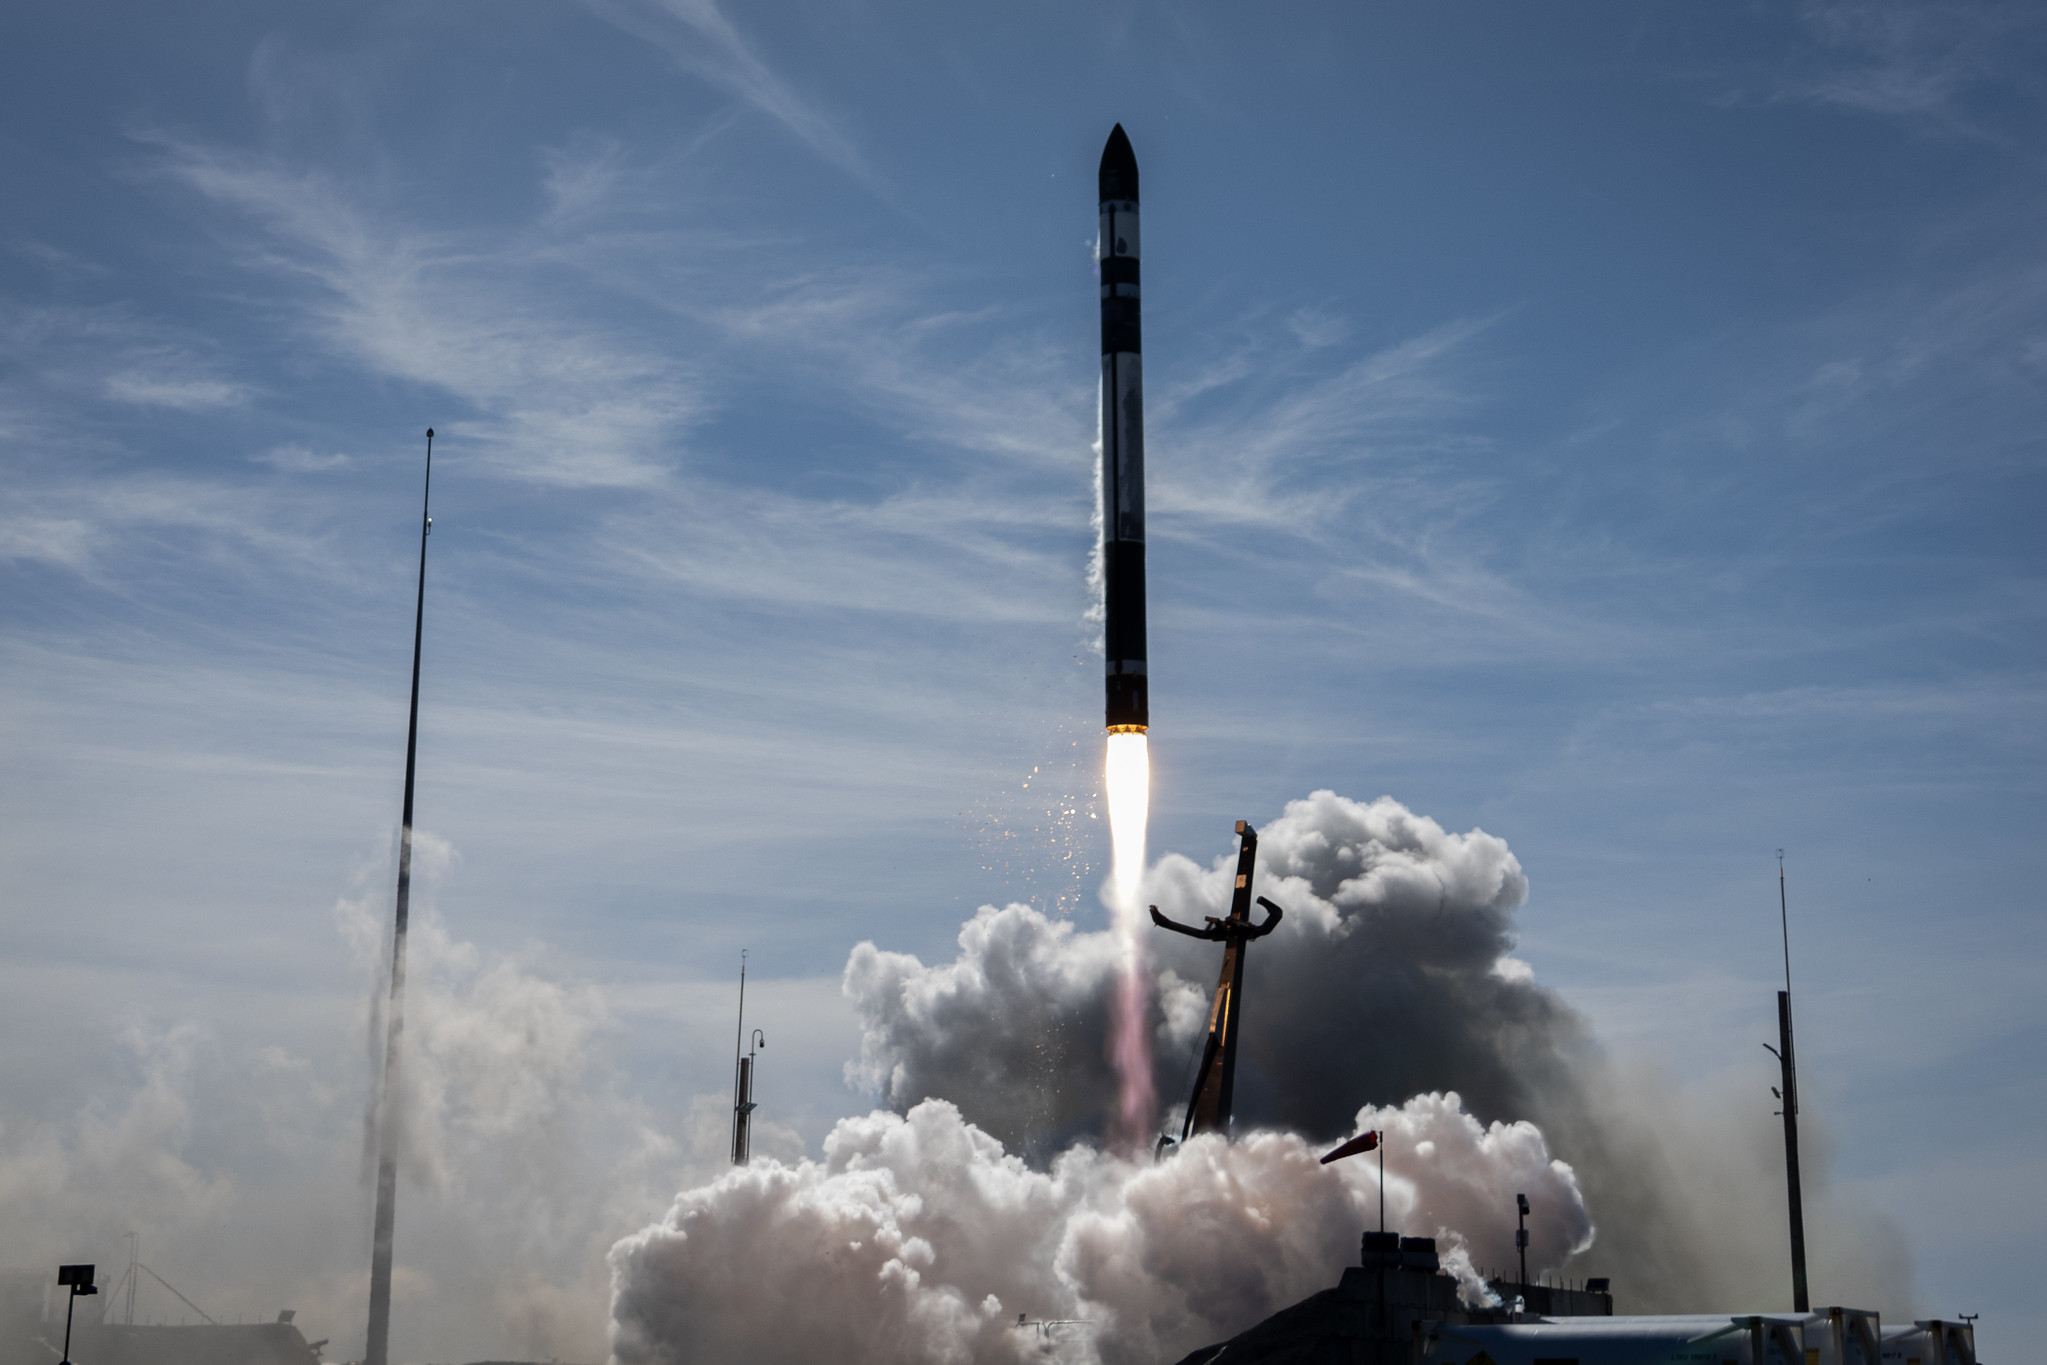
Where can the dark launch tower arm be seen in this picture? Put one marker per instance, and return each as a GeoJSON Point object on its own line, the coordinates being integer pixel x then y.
{"type": "Point", "coordinates": [1219, 930]}
{"type": "Point", "coordinates": [1213, 931]}
{"type": "Point", "coordinates": [1272, 918]}
{"type": "Point", "coordinates": [1208, 1108]}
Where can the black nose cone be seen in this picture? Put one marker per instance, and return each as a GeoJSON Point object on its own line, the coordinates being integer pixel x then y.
{"type": "Point", "coordinates": [1119, 168]}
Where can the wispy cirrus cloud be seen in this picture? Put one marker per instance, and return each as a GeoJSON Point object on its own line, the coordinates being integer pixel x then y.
{"type": "Point", "coordinates": [1887, 57]}
{"type": "Point", "coordinates": [112, 352]}
{"type": "Point", "coordinates": [2015, 706]}
{"type": "Point", "coordinates": [59, 262]}
{"type": "Point", "coordinates": [1261, 437]}
{"type": "Point", "coordinates": [702, 40]}
{"type": "Point", "coordinates": [932, 371]}
{"type": "Point", "coordinates": [111, 526]}
{"type": "Point", "coordinates": [171, 389]}
{"type": "Point", "coordinates": [555, 397]}
{"type": "Point", "coordinates": [63, 541]}
{"type": "Point", "coordinates": [1894, 59]}
{"type": "Point", "coordinates": [1280, 432]}
{"type": "Point", "coordinates": [296, 459]}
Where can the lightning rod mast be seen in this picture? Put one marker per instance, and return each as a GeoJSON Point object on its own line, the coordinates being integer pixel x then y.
{"type": "Point", "coordinates": [377, 1347]}
{"type": "Point", "coordinates": [1787, 1057]}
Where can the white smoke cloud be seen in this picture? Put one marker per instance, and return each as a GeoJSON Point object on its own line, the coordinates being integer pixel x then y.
{"type": "Point", "coordinates": [239, 1161]}
{"type": "Point", "coordinates": [1392, 975]}
{"type": "Point", "coordinates": [1384, 980]}
{"type": "Point", "coordinates": [983, 1192]}
{"type": "Point", "coordinates": [1388, 998]}
{"type": "Point", "coordinates": [522, 1156]}
{"type": "Point", "coordinates": [918, 1237]}
{"type": "Point", "coordinates": [116, 1162]}
{"type": "Point", "coordinates": [1013, 1030]}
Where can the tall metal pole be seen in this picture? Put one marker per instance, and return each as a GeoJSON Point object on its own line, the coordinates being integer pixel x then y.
{"type": "Point", "coordinates": [79, 1280]}
{"type": "Point", "coordinates": [1801, 1299]}
{"type": "Point", "coordinates": [739, 1076]}
{"type": "Point", "coordinates": [377, 1351]}
{"type": "Point", "coordinates": [1521, 1234]}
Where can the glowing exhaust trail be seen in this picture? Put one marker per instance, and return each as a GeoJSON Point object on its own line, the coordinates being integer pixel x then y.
{"type": "Point", "coordinates": [1128, 781]}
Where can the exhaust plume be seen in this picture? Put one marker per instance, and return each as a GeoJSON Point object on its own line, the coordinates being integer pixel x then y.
{"type": "Point", "coordinates": [919, 1238]}
{"type": "Point", "coordinates": [1392, 975]}
{"type": "Point", "coordinates": [1128, 784]}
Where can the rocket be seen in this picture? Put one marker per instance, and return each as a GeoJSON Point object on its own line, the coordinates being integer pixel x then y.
{"type": "Point", "coordinates": [1129, 699]}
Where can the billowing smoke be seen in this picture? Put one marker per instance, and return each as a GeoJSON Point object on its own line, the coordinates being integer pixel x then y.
{"type": "Point", "coordinates": [1387, 999]}
{"type": "Point", "coordinates": [919, 1238]}
{"type": "Point", "coordinates": [519, 1151]}
{"type": "Point", "coordinates": [1389, 977]}
{"type": "Point", "coordinates": [1012, 1031]}
{"type": "Point", "coordinates": [1392, 975]}
{"type": "Point", "coordinates": [239, 1161]}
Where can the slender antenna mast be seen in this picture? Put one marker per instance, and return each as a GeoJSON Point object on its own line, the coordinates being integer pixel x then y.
{"type": "Point", "coordinates": [738, 1079]}
{"type": "Point", "coordinates": [1382, 1182]}
{"type": "Point", "coordinates": [1787, 1057]}
{"type": "Point", "coordinates": [377, 1350]}
{"type": "Point", "coordinates": [742, 1079]}
{"type": "Point", "coordinates": [739, 1029]}
{"type": "Point", "coordinates": [1784, 919]}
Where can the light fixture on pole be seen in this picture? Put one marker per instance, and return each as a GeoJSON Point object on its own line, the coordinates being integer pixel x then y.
{"type": "Point", "coordinates": [742, 1077]}
{"type": "Point", "coordinates": [79, 1279]}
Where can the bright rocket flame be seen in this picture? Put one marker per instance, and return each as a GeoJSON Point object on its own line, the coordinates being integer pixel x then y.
{"type": "Point", "coordinates": [1129, 786]}
{"type": "Point", "coordinates": [1128, 782]}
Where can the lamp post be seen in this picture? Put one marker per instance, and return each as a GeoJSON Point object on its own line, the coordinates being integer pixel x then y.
{"type": "Point", "coordinates": [79, 1279]}
{"type": "Point", "coordinates": [743, 1105]}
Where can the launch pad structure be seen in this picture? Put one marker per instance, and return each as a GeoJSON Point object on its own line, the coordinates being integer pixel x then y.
{"type": "Point", "coordinates": [1215, 1082]}
{"type": "Point", "coordinates": [1397, 1307]}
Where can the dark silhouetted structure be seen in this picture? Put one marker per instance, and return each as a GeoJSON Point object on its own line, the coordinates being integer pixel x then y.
{"type": "Point", "coordinates": [254, 1343]}
{"type": "Point", "coordinates": [1208, 1108]}
{"type": "Point", "coordinates": [1787, 1059]}
{"type": "Point", "coordinates": [78, 1279]}
{"type": "Point", "coordinates": [377, 1350]}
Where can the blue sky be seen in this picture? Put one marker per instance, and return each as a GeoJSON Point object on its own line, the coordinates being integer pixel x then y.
{"type": "Point", "coordinates": [1614, 426]}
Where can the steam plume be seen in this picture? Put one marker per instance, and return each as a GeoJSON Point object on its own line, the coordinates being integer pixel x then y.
{"type": "Point", "coordinates": [1392, 975]}
{"type": "Point", "coordinates": [236, 1155]}
{"type": "Point", "coordinates": [918, 1238]}
{"type": "Point", "coordinates": [924, 1231]}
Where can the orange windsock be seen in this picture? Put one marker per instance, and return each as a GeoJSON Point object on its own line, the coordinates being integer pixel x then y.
{"type": "Point", "coordinates": [1363, 1142]}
